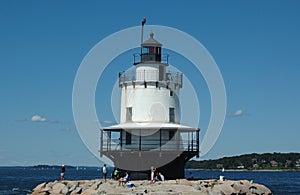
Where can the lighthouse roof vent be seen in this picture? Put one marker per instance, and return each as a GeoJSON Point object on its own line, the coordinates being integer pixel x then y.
{"type": "Point", "coordinates": [151, 42]}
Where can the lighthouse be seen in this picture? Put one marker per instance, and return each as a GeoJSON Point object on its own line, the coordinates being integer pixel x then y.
{"type": "Point", "coordinates": [150, 133]}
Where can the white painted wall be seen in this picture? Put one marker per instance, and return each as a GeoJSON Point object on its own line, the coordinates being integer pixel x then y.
{"type": "Point", "coordinates": [147, 72]}
{"type": "Point", "coordinates": [149, 104]}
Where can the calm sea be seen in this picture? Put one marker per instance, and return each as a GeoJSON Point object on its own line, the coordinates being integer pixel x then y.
{"type": "Point", "coordinates": [22, 179]}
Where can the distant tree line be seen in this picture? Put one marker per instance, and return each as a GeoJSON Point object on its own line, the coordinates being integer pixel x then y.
{"type": "Point", "coordinates": [51, 166]}
{"type": "Point", "coordinates": [251, 162]}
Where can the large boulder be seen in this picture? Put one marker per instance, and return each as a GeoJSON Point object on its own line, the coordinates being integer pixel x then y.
{"type": "Point", "coordinates": [38, 189]}
{"type": "Point", "coordinates": [77, 190]}
{"type": "Point", "coordinates": [89, 192]}
{"type": "Point", "coordinates": [57, 188]}
{"type": "Point", "coordinates": [65, 190]}
{"type": "Point", "coordinates": [259, 189]}
{"type": "Point", "coordinates": [96, 185]}
{"type": "Point", "coordinates": [185, 182]}
{"type": "Point", "coordinates": [240, 187]}
{"type": "Point", "coordinates": [224, 188]}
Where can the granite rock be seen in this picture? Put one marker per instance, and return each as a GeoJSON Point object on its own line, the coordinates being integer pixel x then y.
{"type": "Point", "coordinates": [143, 187]}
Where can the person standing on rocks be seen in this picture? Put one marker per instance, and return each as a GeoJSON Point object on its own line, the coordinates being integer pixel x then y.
{"type": "Point", "coordinates": [62, 173]}
{"type": "Point", "coordinates": [222, 177]}
{"type": "Point", "coordinates": [104, 172]}
{"type": "Point", "coordinates": [153, 170]}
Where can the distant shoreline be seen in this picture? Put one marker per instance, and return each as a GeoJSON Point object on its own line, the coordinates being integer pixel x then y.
{"type": "Point", "coordinates": [251, 162]}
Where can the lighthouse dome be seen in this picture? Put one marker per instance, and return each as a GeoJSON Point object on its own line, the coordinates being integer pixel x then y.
{"type": "Point", "coordinates": [151, 42]}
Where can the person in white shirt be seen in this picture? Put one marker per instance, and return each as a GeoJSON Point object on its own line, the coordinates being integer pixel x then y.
{"type": "Point", "coordinates": [104, 172]}
{"type": "Point", "coordinates": [124, 179]}
{"type": "Point", "coordinates": [153, 169]}
{"type": "Point", "coordinates": [162, 178]}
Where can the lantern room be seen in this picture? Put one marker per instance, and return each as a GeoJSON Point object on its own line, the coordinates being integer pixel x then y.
{"type": "Point", "coordinates": [151, 50]}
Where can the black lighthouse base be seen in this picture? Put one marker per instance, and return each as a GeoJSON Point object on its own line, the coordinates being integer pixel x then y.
{"type": "Point", "coordinates": [140, 169]}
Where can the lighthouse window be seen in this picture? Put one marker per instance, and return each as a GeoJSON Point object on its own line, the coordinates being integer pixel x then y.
{"type": "Point", "coordinates": [157, 50]}
{"type": "Point", "coordinates": [172, 114]}
{"type": "Point", "coordinates": [145, 50]}
{"type": "Point", "coordinates": [151, 49]}
{"type": "Point", "coordinates": [129, 114]}
{"type": "Point", "coordinates": [171, 134]}
{"type": "Point", "coordinates": [128, 138]}
{"type": "Point", "coordinates": [171, 93]}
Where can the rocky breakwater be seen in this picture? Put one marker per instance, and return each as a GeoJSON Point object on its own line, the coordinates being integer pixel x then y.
{"type": "Point", "coordinates": [142, 187]}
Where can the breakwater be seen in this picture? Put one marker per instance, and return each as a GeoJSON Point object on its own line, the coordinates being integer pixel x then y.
{"type": "Point", "coordinates": [144, 187]}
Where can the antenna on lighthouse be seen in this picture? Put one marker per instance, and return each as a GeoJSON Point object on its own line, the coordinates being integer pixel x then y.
{"type": "Point", "coordinates": [142, 34]}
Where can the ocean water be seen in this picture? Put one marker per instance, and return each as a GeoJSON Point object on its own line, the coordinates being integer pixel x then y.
{"type": "Point", "coordinates": [25, 178]}
{"type": "Point", "coordinates": [279, 182]}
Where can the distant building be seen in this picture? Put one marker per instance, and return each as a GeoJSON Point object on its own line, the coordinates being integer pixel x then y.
{"type": "Point", "coordinates": [288, 163]}
{"type": "Point", "coordinates": [255, 165]}
{"type": "Point", "coordinates": [297, 164]}
{"type": "Point", "coordinates": [220, 166]}
{"type": "Point", "coordinates": [254, 160]}
{"type": "Point", "coordinates": [240, 167]}
{"type": "Point", "coordinates": [274, 163]}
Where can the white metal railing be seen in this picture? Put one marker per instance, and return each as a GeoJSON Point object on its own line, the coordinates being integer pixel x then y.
{"type": "Point", "coordinates": [150, 75]}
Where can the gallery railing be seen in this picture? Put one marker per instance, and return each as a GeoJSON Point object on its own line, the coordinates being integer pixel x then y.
{"type": "Point", "coordinates": [150, 76]}
{"type": "Point", "coordinates": [187, 141]}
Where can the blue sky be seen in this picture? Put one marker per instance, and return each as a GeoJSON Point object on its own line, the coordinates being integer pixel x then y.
{"type": "Point", "coordinates": [256, 45]}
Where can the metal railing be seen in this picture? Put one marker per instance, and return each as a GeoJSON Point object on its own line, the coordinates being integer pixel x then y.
{"type": "Point", "coordinates": [146, 57]}
{"type": "Point", "coordinates": [150, 75]}
{"type": "Point", "coordinates": [183, 144]}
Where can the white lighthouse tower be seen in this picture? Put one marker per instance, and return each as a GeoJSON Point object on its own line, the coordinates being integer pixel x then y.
{"type": "Point", "coordinates": [152, 98]}
{"type": "Point", "coordinates": [150, 133]}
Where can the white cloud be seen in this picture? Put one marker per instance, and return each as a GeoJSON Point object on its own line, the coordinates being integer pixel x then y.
{"type": "Point", "coordinates": [237, 113]}
{"type": "Point", "coordinates": [104, 122]}
{"type": "Point", "coordinates": [107, 122]}
{"type": "Point", "coordinates": [38, 118]}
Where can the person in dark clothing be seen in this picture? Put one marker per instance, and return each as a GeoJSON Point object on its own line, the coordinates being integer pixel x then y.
{"type": "Point", "coordinates": [62, 173]}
